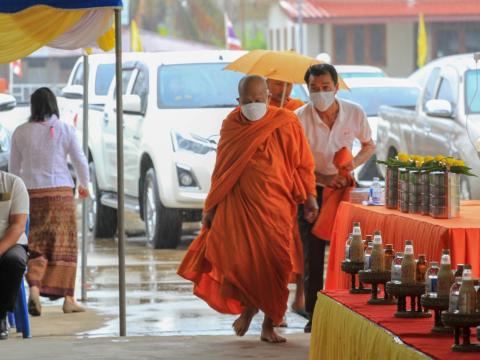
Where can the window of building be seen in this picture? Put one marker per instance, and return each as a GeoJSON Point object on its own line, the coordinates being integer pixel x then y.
{"type": "Point", "coordinates": [359, 44]}
{"type": "Point", "coordinates": [455, 38]}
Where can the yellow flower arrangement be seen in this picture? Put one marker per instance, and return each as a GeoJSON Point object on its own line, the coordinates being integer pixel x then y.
{"type": "Point", "coordinates": [403, 157]}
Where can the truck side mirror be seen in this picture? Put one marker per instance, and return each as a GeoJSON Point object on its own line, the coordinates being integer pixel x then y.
{"type": "Point", "coordinates": [132, 104]}
{"type": "Point", "coordinates": [7, 102]}
{"type": "Point", "coordinates": [73, 92]}
{"type": "Point", "coordinates": [439, 108]}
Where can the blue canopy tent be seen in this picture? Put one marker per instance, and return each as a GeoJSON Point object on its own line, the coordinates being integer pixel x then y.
{"type": "Point", "coordinates": [27, 25]}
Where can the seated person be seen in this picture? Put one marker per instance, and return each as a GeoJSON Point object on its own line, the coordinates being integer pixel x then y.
{"type": "Point", "coordinates": [14, 209]}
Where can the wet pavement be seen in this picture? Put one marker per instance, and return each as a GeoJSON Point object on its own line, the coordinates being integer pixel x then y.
{"type": "Point", "coordinates": [159, 302]}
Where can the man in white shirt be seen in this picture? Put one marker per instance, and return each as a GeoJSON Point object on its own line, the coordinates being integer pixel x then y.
{"type": "Point", "coordinates": [329, 125]}
{"type": "Point", "coordinates": [14, 209]}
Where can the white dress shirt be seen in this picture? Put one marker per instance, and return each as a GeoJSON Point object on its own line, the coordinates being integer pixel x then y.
{"type": "Point", "coordinates": [350, 124]}
{"type": "Point", "coordinates": [39, 155]}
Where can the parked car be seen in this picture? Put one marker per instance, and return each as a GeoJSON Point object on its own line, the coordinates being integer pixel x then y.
{"type": "Point", "coordinates": [174, 104]}
{"type": "Point", "coordinates": [370, 94]}
{"type": "Point", "coordinates": [359, 71]}
{"type": "Point", "coordinates": [7, 104]}
{"type": "Point", "coordinates": [445, 121]}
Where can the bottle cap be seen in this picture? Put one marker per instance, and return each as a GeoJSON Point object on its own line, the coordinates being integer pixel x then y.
{"type": "Point", "coordinates": [467, 266]}
{"type": "Point", "coordinates": [446, 252]}
{"type": "Point", "coordinates": [389, 247]}
{"type": "Point", "coordinates": [368, 238]}
{"type": "Point", "coordinates": [408, 242]}
{"type": "Point", "coordinates": [355, 224]}
{"type": "Point", "coordinates": [422, 257]}
{"type": "Point", "coordinates": [377, 232]}
{"type": "Point", "coordinates": [399, 254]}
{"type": "Point", "coordinates": [370, 243]}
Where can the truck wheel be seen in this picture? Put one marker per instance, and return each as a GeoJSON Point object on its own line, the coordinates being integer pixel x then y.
{"type": "Point", "coordinates": [163, 225]}
{"type": "Point", "coordinates": [101, 220]}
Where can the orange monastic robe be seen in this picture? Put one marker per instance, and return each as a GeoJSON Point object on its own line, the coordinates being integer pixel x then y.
{"type": "Point", "coordinates": [296, 248]}
{"type": "Point", "coordinates": [289, 104]}
{"type": "Point", "coordinates": [263, 170]}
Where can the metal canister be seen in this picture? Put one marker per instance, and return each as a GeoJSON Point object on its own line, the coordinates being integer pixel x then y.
{"type": "Point", "coordinates": [438, 182]}
{"type": "Point", "coordinates": [424, 193]}
{"type": "Point", "coordinates": [391, 188]}
{"type": "Point", "coordinates": [403, 196]}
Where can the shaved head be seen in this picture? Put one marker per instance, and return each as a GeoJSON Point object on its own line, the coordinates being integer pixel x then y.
{"type": "Point", "coordinates": [252, 88]}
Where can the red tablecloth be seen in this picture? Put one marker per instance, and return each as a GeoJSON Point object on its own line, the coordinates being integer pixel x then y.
{"type": "Point", "coordinates": [413, 332]}
{"type": "Point", "coordinates": [460, 235]}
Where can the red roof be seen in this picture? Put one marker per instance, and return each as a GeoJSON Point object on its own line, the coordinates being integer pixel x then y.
{"type": "Point", "coordinates": [316, 11]}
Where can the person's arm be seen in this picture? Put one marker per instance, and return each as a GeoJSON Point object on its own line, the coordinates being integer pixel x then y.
{"type": "Point", "coordinates": [13, 233]}
{"type": "Point", "coordinates": [14, 164]}
{"type": "Point", "coordinates": [366, 152]}
{"type": "Point", "coordinates": [331, 181]}
{"type": "Point", "coordinates": [79, 162]}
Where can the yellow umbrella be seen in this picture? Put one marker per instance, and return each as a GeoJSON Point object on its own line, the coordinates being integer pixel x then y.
{"type": "Point", "coordinates": [287, 66]}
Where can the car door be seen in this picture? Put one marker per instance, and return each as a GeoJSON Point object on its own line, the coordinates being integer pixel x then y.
{"type": "Point", "coordinates": [109, 129]}
{"type": "Point", "coordinates": [421, 127]}
{"type": "Point", "coordinates": [441, 129]}
{"type": "Point", "coordinates": [133, 130]}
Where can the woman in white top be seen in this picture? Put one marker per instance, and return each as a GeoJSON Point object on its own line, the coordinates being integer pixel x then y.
{"type": "Point", "coordinates": [39, 156]}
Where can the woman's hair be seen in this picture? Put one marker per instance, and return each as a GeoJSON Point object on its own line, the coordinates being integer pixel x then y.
{"type": "Point", "coordinates": [43, 104]}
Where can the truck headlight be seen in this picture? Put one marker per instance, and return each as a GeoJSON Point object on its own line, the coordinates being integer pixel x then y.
{"type": "Point", "coordinates": [192, 143]}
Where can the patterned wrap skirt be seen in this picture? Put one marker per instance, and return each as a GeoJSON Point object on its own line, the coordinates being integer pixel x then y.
{"type": "Point", "coordinates": [52, 242]}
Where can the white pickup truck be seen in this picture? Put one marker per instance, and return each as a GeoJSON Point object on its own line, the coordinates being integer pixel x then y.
{"type": "Point", "coordinates": [174, 104]}
{"type": "Point", "coordinates": [445, 121]}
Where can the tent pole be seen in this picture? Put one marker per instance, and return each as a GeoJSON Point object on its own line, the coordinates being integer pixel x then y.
{"type": "Point", "coordinates": [85, 201]}
{"type": "Point", "coordinates": [120, 170]}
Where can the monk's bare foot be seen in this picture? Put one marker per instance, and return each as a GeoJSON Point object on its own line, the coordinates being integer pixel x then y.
{"type": "Point", "coordinates": [268, 333]}
{"type": "Point", "coordinates": [242, 324]}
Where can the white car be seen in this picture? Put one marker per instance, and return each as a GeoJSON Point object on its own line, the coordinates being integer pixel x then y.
{"type": "Point", "coordinates": [359, 71]}
{"type": "Point", "coordinates": [174, 105]}
{"type": "Point", "coordinates": [370, 94]}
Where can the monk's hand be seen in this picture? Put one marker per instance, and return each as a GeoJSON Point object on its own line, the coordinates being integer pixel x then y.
{"type": "Point", "coordinates": [207, 219]}
{"type": "Point", "coordinates": [310, 209]}
{"type": "Point", "coordinates": [349, 167]}
{"type": "Point", "coordinates": [336, 181]}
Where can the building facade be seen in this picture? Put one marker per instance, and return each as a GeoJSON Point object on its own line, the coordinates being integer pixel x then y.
{"type": "Point", "coordinates": [375, 32]}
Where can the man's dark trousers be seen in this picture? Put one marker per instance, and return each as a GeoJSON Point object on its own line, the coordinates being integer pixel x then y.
{"type": "Point", "coordinates": [12, 267]}
{"type": "Point", "coordinates": [314, 257]}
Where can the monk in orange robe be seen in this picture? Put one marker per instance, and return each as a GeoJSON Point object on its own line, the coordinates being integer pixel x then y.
{"type": "Point", "coordinates": [276, 88]}
{"type": "Point", "coordinates": [240, 263]}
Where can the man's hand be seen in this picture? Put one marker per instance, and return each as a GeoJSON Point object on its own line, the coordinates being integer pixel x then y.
{"type": "Point", "coordinates": [335, 181]}
{"type": "Point", "coordinates": [310, 209]}
{"type": "Point", "coordinates": [207, 219]}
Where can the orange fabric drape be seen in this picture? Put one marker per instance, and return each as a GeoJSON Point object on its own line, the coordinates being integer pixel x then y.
{"type": "Point", "coordinates": [289, 104]}
{"type": "Point", "coordinates": [461, 235]}
{"type": "Point", "coordinates": [332, 197]}
{"type": "Point", "coordinates": [263, 169]}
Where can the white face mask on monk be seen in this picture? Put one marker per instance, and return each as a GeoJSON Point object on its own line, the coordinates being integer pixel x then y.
{"type": "Point", "coordinates": [254, 111]}
{"type": "Point", "coordinates": [322, 100]}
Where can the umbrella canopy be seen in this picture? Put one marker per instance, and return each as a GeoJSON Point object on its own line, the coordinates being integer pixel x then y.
{"type": "Point", "coordinates": [27, 25]}
{"type": "Point", "coordinates": [287, 66]}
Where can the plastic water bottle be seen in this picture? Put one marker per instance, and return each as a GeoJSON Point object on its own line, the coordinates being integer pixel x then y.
{"type": "Point", "coordinates": [397, 268]}
{"type": "Point", "coordinates": [431, 281]}
{"type": "Point", "coordinates": [376, 191]}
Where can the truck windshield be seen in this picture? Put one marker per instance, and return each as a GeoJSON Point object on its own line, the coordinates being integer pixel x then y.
{"type": "Point", "coordinates": [472, 92]}
{"type": "Point", "coordinates": [371, 98]}
{"type": "Point", "coordinates": [193, 86]}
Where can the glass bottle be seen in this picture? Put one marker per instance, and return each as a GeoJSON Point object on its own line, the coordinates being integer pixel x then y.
{"type": "Point", "coordinates": [356, 246]}
{"type": "Point", "coordinates": [367, 256]}
{"type": "Point", "coordinates": [397, 268]}
{"type": "Point", "coordinates": [347, 247]}
{"type": "Point", "coordinates": [467, 297]}
{"type": "Point", "coordinates": [389, 255]}
{"type": "Point", "coordinates": [431, 282]}
{"type": "Point", "coordinates": [459, 271]}
{"type": "Point", "coordinates": [408, 264]}
{"type": "Point", "coordinates": [368, 239]}
{"type": "Point", "coordinates": [377, 262]}
{"type": "Point", "coordinates": [421, 269]}
{"type": "Point", "coordinates": [445, 275]}
{"type": "Point", "coordinates": [454, 295]}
